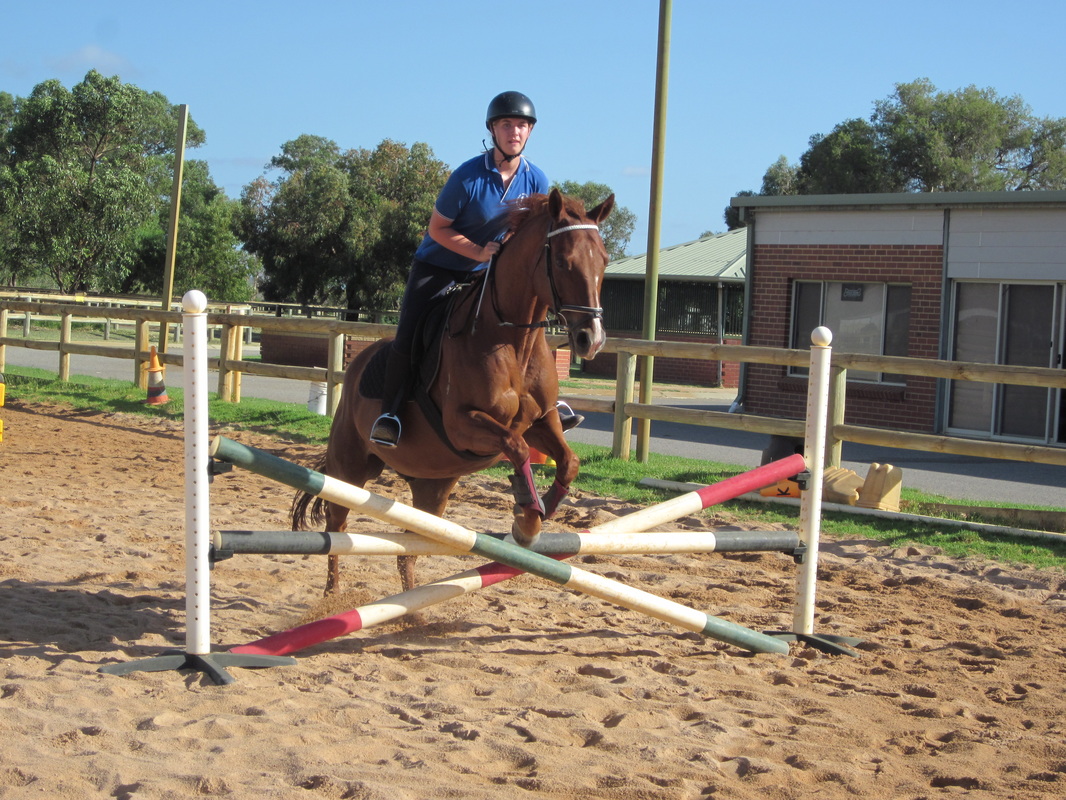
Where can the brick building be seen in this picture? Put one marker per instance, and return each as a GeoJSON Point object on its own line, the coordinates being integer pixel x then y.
{"type": "Point", "coordinates": [700, 299]}
{"type": "Point", "coordinates": [961, 276]}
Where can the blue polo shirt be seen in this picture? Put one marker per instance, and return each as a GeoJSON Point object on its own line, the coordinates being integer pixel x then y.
{"type": "Point", "coordinates": [475, 201]}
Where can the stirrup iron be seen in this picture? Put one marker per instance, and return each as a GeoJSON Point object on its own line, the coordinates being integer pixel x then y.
{"type": "Point", "coordinates": [386, 430]}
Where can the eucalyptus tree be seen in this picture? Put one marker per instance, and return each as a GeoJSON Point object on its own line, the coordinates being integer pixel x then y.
{"type": "Point", "coordinates": [920, 139]}
{"type": "Point", "coordinates": [340, 226]}
{"type": "Point", "coordinates": [81, 172]}
{"type": "Point", "coordinates": [208, 254]}
{"type": "Point", "coordinates": [617, 229]}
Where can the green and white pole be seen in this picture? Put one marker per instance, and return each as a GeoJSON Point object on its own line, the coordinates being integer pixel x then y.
{"type": "Point", "coordinates": [468, 541]}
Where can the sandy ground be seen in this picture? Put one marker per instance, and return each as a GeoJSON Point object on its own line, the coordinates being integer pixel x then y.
{"type": "Point", "coordinates": [520, 690]}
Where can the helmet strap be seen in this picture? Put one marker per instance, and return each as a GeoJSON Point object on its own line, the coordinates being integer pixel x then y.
{"type": "Point", "coordinates": [503, 155]}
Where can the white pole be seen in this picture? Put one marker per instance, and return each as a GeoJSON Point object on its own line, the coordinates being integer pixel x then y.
{"type": "Point", "coordinates": [814, 455]}
{"type": "Point", "coordinates": [197, 460]}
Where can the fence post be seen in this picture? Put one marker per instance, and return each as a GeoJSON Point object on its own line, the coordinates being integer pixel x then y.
{"type": "Point", "coordinates": [838, 384]}
{"type": "Point", "coordinates": [237, 346]}
{"type": "Point", "coordinates": [64, 342]}
{"type": "Point", "coordinates": [334, 364]}
{"type": "Point", "coordinates": [225, 377]}
{"type": "Point", "coordinates": [140, 353]}
{"type": "Point", "coordinates": [623, 394]}
{"type": "Point", "coordinates": [3, 335]}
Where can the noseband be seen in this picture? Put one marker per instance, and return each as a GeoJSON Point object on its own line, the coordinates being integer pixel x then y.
{"type": "Point", "coordinates": [558, 309]}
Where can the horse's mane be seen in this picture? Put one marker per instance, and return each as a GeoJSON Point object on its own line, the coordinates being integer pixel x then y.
{"type": "Point", "coordinates": [522, 210]}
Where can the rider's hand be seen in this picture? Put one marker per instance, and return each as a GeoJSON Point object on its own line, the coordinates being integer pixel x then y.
{"type": "Point", "coordinates": [489, 250]}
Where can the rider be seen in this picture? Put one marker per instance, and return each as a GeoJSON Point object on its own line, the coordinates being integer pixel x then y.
{"type": "Point", "coordinates": [466, 230]}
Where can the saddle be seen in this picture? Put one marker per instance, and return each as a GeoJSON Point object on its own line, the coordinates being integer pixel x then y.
{"type": "Point", "coordinates": [425, 365]}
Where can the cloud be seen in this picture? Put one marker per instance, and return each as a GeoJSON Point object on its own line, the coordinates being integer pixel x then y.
{"type": "Point", "coordinates": [92, 56]}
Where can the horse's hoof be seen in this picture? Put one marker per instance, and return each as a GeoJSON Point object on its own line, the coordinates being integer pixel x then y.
{"type": "Point", "coordinates": [521, 538]}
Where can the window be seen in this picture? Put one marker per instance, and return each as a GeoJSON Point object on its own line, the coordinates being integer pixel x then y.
{"type": "Point", "coordinates": [1017, 324]}
{"type": "Point", "coordinates": [690, 307]}
{"type": "Point", "coordinates": [870, 318]}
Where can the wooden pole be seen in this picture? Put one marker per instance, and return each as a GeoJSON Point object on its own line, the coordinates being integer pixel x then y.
{"type": "Point", "coordinates": [172, 231]}
{"type": "Point", "coordinates": [651, 278]}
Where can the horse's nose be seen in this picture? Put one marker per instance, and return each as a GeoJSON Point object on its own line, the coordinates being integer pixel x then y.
{"type": "Point", "coordinates": [589, 339]}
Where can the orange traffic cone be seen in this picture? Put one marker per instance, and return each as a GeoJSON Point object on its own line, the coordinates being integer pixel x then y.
{"type": "Point", "coordinates": [157, 390]}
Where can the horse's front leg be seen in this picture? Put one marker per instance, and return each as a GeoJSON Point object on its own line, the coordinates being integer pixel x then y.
{"type": "Point", "coordinates": [546, 434]}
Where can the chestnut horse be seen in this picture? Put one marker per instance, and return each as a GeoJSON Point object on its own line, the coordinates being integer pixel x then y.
{"type": "Point", "coordinates": [496, 385]}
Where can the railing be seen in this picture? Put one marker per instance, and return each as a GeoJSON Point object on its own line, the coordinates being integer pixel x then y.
{"type": "Point", "coordinates": [231, 366]}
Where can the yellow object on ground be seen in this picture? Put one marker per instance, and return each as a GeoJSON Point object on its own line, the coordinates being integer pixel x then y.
{"type": "Point", "coordinates": [840, 485]}
{"type": "Point", "coordinates": [881, 488]}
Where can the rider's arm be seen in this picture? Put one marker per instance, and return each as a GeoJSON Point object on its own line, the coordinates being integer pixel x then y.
{"type": "Point", "coordinates": [442, 232]}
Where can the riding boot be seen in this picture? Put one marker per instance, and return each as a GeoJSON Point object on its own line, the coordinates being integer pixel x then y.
{"type": "Point", "coordinates": [568, 418]}
{"type": "Point", "coordinates": [387, 427]}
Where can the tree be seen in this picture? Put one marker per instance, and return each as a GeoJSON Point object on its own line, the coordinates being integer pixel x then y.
{"type": "Point", "coordinates": [208, 255]}
{"type": "Point", "coordinates": [340, 225]}
{"type": "Point", "coordinates": [969, 140]}
{"type": "Point", "coordinates": [923, 140]}
{"type": "Point", "coordinates": [780, 179]}
{"type": "Point", "coordinates": [617, 229]}
{"type": "Point", "coordinates": [849, 160]}
{"type": "Point", "coordinates": [81, 171]}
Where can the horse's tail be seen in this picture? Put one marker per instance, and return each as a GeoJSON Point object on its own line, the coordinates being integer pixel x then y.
{"type": "Point", "coordinates": [305, 500]}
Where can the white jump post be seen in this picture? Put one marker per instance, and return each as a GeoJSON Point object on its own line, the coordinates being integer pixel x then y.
{"type": "Point", "coordinates": [811, 500]}
{"type": "Point", "coordinates": [197, 654]}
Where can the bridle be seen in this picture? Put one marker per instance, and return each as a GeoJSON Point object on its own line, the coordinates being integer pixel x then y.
{"type": "Point", "coordinates": [558, 309]}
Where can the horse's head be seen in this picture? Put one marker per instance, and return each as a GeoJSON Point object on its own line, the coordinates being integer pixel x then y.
{"type": "Point", "coordinates": [576, 260]}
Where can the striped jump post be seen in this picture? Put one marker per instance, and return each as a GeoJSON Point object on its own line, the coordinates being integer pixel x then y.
{"type": "Point", "coordinates": [197, 654]}
{"type": "Point", "coordinates": [229, 543]}
{"type": "Point", "coordinates": [506, 553]}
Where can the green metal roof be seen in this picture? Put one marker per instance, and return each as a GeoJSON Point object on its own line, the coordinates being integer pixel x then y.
{"type": "Point", "coordinates": [722, 257]}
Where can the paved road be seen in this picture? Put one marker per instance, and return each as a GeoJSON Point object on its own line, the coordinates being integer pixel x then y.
{"type": "Point", "coordinates": [961, 477]}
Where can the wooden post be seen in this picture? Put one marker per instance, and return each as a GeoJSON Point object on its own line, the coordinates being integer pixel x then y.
{"type": "Point", "coordinates": [3, 335]}
{"type": "Point", "coordinates": [172, 231]}
{"type": "Point", "coordinates": [237, 346]}
{"type": "Point", "coordinates": [64, 341]}
{"type": "Point", "coordinates": [225, 377]}
{"type": "Point", "coordinates": [335, 364]}
{"type": "Point", "coordinates": [623, 424]}
{"type": "Point", "coordinates": [140, 353]}
{"type": "Point", "coordinates": [838, 384]}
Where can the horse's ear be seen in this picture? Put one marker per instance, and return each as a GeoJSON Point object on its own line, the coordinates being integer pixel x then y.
{"type": "Point", "coordinates": [555, 204]}
{"type": "Point", "coordinates": [602, 211]}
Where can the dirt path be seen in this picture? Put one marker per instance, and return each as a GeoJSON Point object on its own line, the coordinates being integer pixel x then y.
{"type": "Point", "coordinates": [522, 690]}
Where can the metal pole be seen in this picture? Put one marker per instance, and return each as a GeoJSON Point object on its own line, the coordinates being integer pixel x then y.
{"type": "Point", "coordinates": [651, 278]}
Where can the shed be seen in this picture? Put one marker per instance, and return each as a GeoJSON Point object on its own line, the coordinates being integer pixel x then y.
{"type": "Point", "coordinates": [964, 276]}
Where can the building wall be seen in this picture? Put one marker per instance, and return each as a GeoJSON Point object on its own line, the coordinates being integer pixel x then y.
{"type": "Point", "coordinates": [870, 246]}
{"type": "Point", "coordinates": [676, 370]}
{"type": "Point", "coordinates": [1007, 244]}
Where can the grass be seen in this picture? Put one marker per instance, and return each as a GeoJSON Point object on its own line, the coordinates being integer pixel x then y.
{"type": "Point", "coordinates": [601, 475]}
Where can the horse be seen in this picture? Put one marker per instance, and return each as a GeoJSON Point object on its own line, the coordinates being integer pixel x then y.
{"type": "Point", "coordinates": [495, 388]}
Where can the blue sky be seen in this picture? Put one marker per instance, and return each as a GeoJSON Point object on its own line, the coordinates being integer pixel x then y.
{"type": "Point", "coordinates": [749, 82]}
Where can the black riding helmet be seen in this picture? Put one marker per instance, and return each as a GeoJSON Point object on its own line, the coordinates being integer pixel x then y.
{"type": "Point", "coordinates": [510, 104]}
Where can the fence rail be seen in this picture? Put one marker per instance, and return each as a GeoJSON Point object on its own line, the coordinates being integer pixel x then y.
{"type": "Point", "coordinates": [231, 366]}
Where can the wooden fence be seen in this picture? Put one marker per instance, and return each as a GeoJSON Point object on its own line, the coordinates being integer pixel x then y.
{"type": "Point", "coordinates": [230, 365]}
